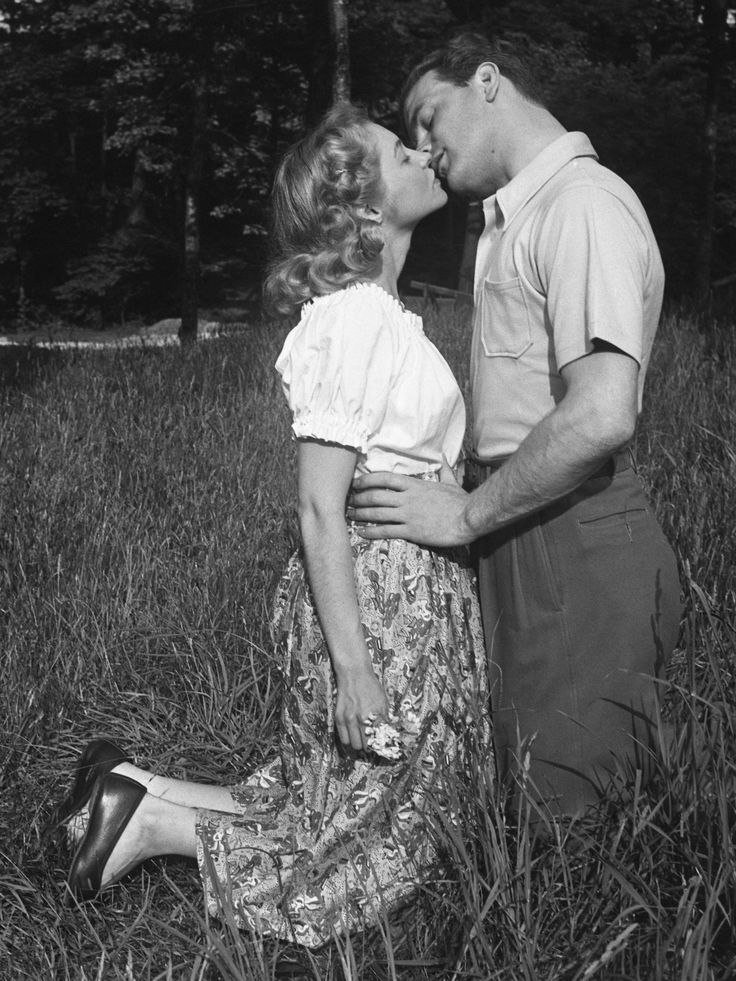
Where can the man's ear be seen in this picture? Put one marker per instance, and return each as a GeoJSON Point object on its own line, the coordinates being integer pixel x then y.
{"type": "Point", "coordinates": [488, 77]}
{"type": "Point", "coordinates": [368, 213]}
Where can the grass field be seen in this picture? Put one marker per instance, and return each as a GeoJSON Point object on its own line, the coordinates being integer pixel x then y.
{"type": "Point", "coordinates": [146, 509]}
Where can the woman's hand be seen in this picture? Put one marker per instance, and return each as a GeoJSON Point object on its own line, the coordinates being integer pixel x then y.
{"type": "Point", "coordinates": [359, 695]}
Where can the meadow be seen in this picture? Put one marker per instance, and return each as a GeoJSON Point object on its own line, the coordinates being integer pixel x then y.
{"type": "Point", "coordinates": [146, 511]}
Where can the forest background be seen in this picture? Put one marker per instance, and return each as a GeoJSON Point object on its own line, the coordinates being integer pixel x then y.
{"type": "Point", "coordinates": [146, 494]}
{"type": "Point", "coordinates": [139, 137]}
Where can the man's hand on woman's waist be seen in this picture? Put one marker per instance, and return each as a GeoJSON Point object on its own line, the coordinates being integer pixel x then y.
{"type": "Point", "coordinates": [427, 512]}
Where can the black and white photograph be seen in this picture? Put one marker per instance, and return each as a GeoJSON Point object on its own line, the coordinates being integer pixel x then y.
{"type": "Point", "coordinates": [368, 490]}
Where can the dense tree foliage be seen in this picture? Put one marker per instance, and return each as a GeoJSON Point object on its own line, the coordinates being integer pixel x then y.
{"type": "Point", "coordinates": [139, 136]}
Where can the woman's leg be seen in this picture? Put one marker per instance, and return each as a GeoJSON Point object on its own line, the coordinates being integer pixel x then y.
{"type": "Point", "coordinates": [203, 796]}
{"type": "Point", "coordinates": [157, 827]}
{"type": "Point", "coordinates": [199, 796]}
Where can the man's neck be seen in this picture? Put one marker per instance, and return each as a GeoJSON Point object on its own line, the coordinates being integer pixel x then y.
{"type": "Point", "coordinates": [532, 131]}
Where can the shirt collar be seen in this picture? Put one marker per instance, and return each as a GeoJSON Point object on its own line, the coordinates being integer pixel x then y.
{"type": "Point", "coordinates": [509, 200]}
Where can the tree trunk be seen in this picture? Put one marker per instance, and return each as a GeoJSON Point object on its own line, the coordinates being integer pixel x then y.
{"type": "Point", "coordinates": [341, 50]}
{"type": "Point", "coordinates": [473, 228]}
{"type": "Point", "coordinates": [137, 208]}
{"type": "Point", "coordinates": [190, 286]}
{"type": "Point", "coordinates": [103, 157]}
{"type": "Point", "coordinates": [714, 23]}
{"type": "Point", "coordinates": [22, 304]}
{"type": "Point", "coordinates": [318, 68]}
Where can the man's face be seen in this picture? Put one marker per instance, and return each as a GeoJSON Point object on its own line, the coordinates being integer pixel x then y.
{"type": "Point", "coordinates": [454, 123]}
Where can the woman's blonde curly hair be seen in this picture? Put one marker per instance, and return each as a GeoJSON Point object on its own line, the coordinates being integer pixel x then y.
{"type": "Point", "coordinates": [320, 241]}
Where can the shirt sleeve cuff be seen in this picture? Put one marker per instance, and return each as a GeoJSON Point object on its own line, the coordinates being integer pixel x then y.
{"type": "Point", "coordinates": [571, 352]}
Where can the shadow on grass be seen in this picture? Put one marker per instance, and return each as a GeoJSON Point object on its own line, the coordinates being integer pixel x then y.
{"type": "Point", "coordinates": [20, 367]}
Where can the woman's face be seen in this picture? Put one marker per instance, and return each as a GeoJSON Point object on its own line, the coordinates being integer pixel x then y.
{"type": "Point", "coordinates": [411, 189]}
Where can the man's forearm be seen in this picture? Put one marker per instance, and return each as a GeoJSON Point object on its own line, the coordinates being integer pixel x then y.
{"type": "Point", "coordinates": [554, 459]}
{"type": "Point", "coordinates": [595, 418]}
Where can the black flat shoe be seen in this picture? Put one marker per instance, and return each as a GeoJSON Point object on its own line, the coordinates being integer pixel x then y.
{"type": "Point", "coordinates": [98, 758]}
{"type": "Point", "coordinates": [114, 801]}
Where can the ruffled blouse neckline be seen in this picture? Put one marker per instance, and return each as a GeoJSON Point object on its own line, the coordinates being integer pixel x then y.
{"type": "Point", "coordinates": [383, 293]}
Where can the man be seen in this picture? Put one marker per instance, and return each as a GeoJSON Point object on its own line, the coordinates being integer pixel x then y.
{"type": "Point", "coordinates": [579, 588]}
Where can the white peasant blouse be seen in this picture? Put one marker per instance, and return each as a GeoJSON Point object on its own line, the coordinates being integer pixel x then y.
{"type": "Point", "coordinates": [358, 370]}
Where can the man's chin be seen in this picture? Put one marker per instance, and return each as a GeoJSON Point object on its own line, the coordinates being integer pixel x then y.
{"type": "Point", "coordinates": [464, 193]}
{"type": "Point", "coordinates": [460, 189]}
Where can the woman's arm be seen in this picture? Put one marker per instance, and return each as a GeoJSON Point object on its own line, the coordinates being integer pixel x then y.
{"type": "Point", "coordinates": [325, 473]}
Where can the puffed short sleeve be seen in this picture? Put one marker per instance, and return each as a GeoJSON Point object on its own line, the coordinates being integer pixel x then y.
{"type": "Point", "coordinates": [337, 367]}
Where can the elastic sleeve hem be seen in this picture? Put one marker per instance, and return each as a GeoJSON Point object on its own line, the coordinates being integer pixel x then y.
{"type": "Point", "coordinates": [330, 430]}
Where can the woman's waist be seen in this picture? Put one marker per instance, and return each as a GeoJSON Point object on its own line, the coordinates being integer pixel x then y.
{"type": "Point", "coordinates": [432, 472]}
{"type": "Point", "coordinates": [411, 456]}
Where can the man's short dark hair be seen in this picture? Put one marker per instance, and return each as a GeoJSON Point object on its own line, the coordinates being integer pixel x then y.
{"type": "Point", "coordinates": [457, 61]}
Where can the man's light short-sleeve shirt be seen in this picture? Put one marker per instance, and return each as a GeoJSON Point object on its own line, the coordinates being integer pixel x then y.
{"type": "Point", "coordinates": [567, 257]}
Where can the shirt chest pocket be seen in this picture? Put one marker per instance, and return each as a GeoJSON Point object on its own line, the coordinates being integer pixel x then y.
{"type": "Point", "coordinates": [505, 325]}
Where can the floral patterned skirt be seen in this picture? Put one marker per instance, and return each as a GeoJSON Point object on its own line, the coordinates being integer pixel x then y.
{"type": "Point", "coordinates": [325, 839]}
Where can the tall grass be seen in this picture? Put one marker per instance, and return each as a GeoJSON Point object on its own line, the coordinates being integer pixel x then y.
{"type": "Point", "coordinates": [146, 511]}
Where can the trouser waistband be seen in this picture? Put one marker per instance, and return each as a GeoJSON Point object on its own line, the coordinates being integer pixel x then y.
{"type": "Point", "coordinates": [477, 471]}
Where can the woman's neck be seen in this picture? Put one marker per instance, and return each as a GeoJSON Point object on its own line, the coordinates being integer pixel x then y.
{"type": "Point", "coordinates": [394, 257]}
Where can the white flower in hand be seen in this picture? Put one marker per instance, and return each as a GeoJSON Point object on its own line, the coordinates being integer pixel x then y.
{"type": "Point", "coordinates": [394, 739]}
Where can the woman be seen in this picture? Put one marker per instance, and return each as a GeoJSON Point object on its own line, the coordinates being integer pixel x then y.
{"type": "Point", "coordinates": [382, 641]}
